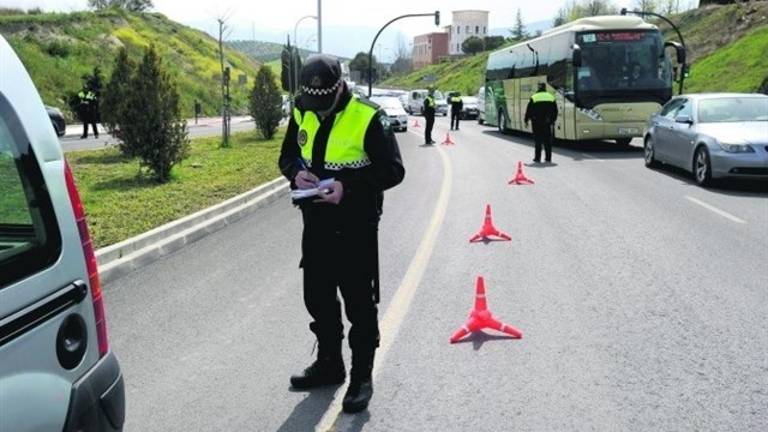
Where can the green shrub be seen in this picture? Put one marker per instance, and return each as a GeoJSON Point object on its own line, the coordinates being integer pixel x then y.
{"type": "Point", "coordinates": [58, 49]}
{"type": "Point", "coordinates": [154, 128]}
{"type": "Point", "coordinates": [266, 102]}
{"type": "Point", "coordinates": [114, 101]}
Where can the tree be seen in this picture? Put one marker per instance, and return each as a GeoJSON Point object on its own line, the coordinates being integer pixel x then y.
{"type": "Point", "coordinates": [646, 5]}
{"type": "Point", "coordinates": [493, 42]}
{"type": "Point", "coordinates": [154, 128]}
{"type": "Point", "coordinates": [561, 17]}
{"type": "Point", "coordinates": [669, 7]}
{"type": "Point", "coordinates": [472, 45]}
{"type": "Point", "coordinates": [519, 33]}
{"type": "Point", "coordinates": [764, 86]}
{"type": "Point", "coordinates": [597, 7]}
{"type": "Point", "coordinates": [131, 5]}
{"type": "Point", "coordinates": [266, 102]}
{"type": "Point", "coordinates": [360, 64]}
{"type": "Point", "coordinates": [138, 5]}
{"type": "Point", "coordinates": [113, 104]}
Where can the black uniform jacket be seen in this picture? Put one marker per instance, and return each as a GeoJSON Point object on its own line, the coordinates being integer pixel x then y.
{"type": "Point", "coordinates": [541, 113]}
{"type": "Point", "coordinates": [351, 225]}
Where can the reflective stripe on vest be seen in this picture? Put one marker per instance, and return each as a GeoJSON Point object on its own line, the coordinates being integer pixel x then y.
{"type": "Point", "coordinates": [346, 142]}
{"type": "Point", "coordinates": [543, 97]}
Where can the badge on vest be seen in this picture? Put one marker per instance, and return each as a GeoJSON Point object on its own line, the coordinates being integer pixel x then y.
{"type": "Point", "coordinates": [303, 137]}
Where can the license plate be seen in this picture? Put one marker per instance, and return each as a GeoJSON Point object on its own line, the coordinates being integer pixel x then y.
{"type": "Point", "coordinates": [628, 131]}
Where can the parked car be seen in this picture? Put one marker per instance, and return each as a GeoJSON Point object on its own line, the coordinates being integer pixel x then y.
{"type": "Point", "coordinates": [57, 119]}
{"type": "Point", "coordinates": [711, 135]}
{"type": "Point", "coordinates": [398, 118]}
{"type": "Point", "coordinates": [404, 102]}
{"type": "Point", "coordinates": [57, 371]}
{"type": "Point", "coordinates": [481, 105]}
{"type": "Point", "coordinates": [470, 109]}
{"type": "Point", "coordinates": [416, 102]}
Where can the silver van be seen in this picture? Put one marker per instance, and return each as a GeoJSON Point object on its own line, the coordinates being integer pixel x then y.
{"type": "Point", "coordinates": [57, 372]}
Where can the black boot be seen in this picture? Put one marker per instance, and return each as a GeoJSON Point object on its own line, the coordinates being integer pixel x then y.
{"type": "Point", "coordinates": [327, 370]}
{"type": "Point", "coordinates": [360, 390]}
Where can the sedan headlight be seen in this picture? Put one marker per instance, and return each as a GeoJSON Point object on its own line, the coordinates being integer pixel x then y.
{"type": "Point", "coordinates": [736, 148]}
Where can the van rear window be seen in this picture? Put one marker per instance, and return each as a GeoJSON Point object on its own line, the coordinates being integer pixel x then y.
{"type": "Point", "coordinates": [29, 235]}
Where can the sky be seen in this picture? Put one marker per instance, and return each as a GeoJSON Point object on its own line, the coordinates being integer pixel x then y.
{"type": "Point", "coordinates": [348, 26]}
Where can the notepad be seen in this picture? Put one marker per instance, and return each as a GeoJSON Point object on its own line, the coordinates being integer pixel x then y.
{"type": "Point", "coordinates": [300, 194]}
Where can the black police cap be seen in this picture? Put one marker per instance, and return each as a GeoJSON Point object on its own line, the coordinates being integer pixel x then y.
{"type": "Point", "coordinates": [320, 80]}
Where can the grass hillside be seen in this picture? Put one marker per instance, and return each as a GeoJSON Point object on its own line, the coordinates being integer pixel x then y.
{"type": "Point", "coordinates": [262, 51]}
{"type": "Point", "coordinates": [465, 75]}
{"type": "Point", "coordinates": [58, 49]}
{"type": "Point", "coordinates": [727, 45]}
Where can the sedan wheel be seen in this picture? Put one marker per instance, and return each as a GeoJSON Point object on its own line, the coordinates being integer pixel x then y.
{"type": "Point", "coordinates": [650, 161]}
{"type": "Point", "coordinates": [702, 167]}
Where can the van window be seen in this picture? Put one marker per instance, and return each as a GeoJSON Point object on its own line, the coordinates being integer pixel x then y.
{"type": "Point", "coordinates": [29, 235]}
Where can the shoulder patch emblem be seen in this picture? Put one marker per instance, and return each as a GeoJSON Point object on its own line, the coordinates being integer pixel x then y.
{"type": "Point", "coordinates": [302, 138]}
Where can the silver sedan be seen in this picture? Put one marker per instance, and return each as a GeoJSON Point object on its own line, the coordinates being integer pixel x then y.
{"type": "Point", "coordinates": [711, 135]}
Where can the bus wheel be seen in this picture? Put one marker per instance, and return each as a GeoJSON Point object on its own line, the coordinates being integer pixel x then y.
{"type": "Point", "coordinates": [623, 141]}
{"type": "Point", "coordinates": [502, 122]}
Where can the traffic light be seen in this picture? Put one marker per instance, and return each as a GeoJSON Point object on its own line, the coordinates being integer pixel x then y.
{"type": "Point", "coordinates": [437, 18]}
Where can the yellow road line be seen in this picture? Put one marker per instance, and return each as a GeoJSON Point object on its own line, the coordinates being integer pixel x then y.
{"type": "Point", "coordinates": [389, 326]}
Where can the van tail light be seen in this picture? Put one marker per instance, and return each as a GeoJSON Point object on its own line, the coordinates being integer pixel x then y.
{"type": "Point", "coordinates": [90, 262]}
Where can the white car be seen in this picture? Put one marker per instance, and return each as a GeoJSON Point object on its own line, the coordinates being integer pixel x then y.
{"type": "Point", "coordinates": [416, 102]}
{"type": "Point", "coordinates": [57, 371]}
{"type": "Point", "coordinates": [398, 118]}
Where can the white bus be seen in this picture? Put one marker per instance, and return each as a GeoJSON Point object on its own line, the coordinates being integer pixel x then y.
{"type": "Point", "coordinates": [609, 75]}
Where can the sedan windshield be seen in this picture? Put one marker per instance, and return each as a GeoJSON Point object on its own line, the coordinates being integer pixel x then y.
{"type": "Point", "coordinates": [733, 109]}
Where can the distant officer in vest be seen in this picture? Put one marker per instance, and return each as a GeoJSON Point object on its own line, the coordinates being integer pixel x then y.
{"type": "Point", "coordinates": [456, 106]}
{"type": "Point", "coordinates": [542, 111]}
{"type": "Point", "coordinates": [88, 111]}
{"type": "Point", "coordinates": [335, 134]}
{"type": "Point", "coordinates": [429, 115]}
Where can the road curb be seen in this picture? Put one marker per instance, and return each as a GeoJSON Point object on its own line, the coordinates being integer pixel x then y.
{"type": "Point", "coordinates": [118, 260]}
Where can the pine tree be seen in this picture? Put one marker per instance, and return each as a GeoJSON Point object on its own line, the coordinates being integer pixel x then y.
{"type": "Point", "coordinates": [154, 128]}
{"type": "Point", "coordinates": [519, 32]}
{"type": "Point", "coordinates": [266, 103]}
{"type": "Point", "coordinates": [113, 103]}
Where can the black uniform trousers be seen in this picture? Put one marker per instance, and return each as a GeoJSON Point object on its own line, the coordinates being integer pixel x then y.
{"type": "Point", "coordinates": [455, 119]}
{"type": "Point", "coordinates": [341, 260]}
{"type": "Point", "coordinates": [543, 135]}
{"type": "Point", "coordinates": [430, 120]}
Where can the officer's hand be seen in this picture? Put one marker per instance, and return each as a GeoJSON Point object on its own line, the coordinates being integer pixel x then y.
{"type": "Point", "coordinates": [306, 180]}
{"type": "Point", "coordinates": [335, 195]}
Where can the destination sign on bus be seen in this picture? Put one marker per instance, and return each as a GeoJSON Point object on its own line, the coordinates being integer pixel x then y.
{"type": "Point", "coordinates": [614, 37]}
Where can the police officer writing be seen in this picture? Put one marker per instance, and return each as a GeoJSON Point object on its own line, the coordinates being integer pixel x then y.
{"type": "Point", "coordinates": [456, 106]}
{"type": "Point", "coordinates": [542, 111]}
{"type": "Point", "coordinates": [429, 116]}
{"type": "Point", "coordinates": [335, 134]}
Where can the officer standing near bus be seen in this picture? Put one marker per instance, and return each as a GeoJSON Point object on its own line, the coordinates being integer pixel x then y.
{"type": "Point", "coordinates": [456, 106]}
{"type": "Point", "coordinates": [542, 111]}
{"type": "Point", "coordinates": [429, 116]}
{"type": "Point", "coordinates": [335, 134]}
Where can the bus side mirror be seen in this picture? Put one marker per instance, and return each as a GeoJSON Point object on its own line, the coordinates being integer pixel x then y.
{"type": "Point", "coordinates": [576, 55]}
{"type": "Point", "coordinates": [679, 51]}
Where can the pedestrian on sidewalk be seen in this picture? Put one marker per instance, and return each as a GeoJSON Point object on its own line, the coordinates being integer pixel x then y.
{"type": "Point", "coordinates": [542, 111]}
{"type": "Point", "coordinates": [334, 134]}
{"type": "Point", "coordinates": [456, 106]}
{"type": "Point", "coordinates": [429, 116]}
{"type": "Point", "coordinates": [198, 109]}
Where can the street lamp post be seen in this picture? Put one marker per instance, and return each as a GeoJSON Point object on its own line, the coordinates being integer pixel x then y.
{"type": "Point", "coordinates": [435, 14]}
{"type": "Point", "coordinates": [681, 57]}
{"type": "Point", "coordinates": [296, 41]}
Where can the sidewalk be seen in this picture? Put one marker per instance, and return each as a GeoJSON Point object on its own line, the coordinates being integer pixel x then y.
{"type": "Point", "coordinates": [77, 128]}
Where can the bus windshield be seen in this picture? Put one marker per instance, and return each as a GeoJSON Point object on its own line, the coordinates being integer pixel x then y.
{"type": "Point", "coordinates": [621, 63]}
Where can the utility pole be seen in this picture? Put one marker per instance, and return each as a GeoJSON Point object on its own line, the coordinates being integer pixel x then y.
{"type": "Point", "coordinates": [319, 26]}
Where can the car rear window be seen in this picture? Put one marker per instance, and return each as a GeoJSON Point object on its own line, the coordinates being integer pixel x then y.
{"type": "Point", "coordinates": [29, 235]}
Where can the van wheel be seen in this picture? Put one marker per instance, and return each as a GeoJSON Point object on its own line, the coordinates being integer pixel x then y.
{"type": "Point", "coordinates": [623, 141]}
{"type": "Point", "coordinates": [702, 167]}
{"type": "Point", "coordinates": [502, 122]}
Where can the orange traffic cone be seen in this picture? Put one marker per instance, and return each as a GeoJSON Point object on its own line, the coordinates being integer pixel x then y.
{"type": "Point", "coordinates": [520, 178]}
{"type": "Point", "coordinates": [416, 123]}
{"type": "Point", "coordinates": [448, 140]}
{"type": "Point", "coordinates": [480, 318]}
{"type": "Point", "coordinates": [488, 230]}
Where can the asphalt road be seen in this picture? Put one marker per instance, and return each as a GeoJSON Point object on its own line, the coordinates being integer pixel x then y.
{"type": "Point", "coordinates": [642, 299]}
{"type": "Point", "coordinates": [206, 127]}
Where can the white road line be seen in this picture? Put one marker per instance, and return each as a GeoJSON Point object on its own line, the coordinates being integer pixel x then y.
{"type": "Point", "coordinates": [389, 326]}
{"type": "Point", "coordinates": [715, 210]}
